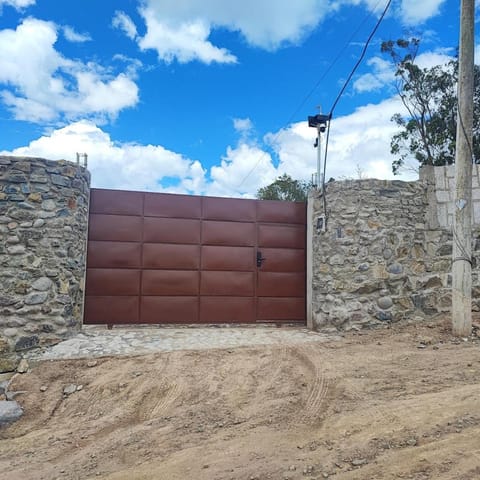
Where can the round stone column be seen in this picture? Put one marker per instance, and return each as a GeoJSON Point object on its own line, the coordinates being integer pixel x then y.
{"type": "Point", "coordinates": [43, 244]}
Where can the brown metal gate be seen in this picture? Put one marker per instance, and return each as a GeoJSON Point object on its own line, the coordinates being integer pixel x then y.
{"type": "Point", "coordinates": [163, 258]}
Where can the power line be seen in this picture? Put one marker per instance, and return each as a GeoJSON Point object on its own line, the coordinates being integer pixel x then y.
{"type": "Point", "coordinates": [314, 88]}
{"type": "Point", "coordinates": [342, 91]}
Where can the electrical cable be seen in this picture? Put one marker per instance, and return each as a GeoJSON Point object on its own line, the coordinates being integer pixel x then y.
{"type": "Point", "coordinates": [314, 88]}
{"type": "Point", "coordinates": [342, 91]}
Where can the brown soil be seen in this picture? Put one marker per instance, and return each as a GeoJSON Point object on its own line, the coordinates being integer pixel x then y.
{"type": "Point", "coordinates": [376, 405]}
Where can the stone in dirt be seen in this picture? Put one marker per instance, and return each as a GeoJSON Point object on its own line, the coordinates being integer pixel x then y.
{"type": "Point", "coordinates": [4, 387]}
{"type": "Point", "coordinates": [69, 389]}
{"type": "Point", "coordinates": [22, 366]}
{"type": "Point", "coordinates": [12, 395]}
{"type": "Point", "coordinates": [9, 412]}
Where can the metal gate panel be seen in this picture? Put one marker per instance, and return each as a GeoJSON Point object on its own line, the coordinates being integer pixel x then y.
{"type": "Point", "coordinates": [114, 254]}
{"type": "Point", "coordinates": [291, 236]}
{"type": "Point", "coordinates": [227, 258]}
{"type": "Point", "coordinates": [233, 209]}
{"type": "Point", "coordinates": [272, 211]}
{"type": "Point", "coordinates": [280, 284]}
{"type": "Point", "coordinates": [227, 309]}
{"type": "Point", "coordinates": [113, 281]}
{"type": "Point", "coordinates": [162, 258]}
{"type": "Point", "coordinates": [113, 202]}
{"type": "Point", "coordinates": [169, 257]}
{"type": "Point", "coordinates": [171, 230]}
{"type": "Point", "coordinates": [170, 282]}
{"type": "Point", "coordinates": [118, 309]}
{"type": "Point", "coordinates": [274, 309]}
{"type": "Point", "coordinates": [228, 233]}
{"type": "Point", "coordinates": [117, 228]}
{"type": "Point", "coordinates": [169, 309]}
{"type": "Point", "coordinates": [172, 206]}
{"type": "Point", "coordinates": [283, 260]}
{"type": "Point", "coordinates": [239, 284]}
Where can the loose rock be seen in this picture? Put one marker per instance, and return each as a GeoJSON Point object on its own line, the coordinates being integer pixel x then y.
{"type": "Point", "coordinates": [22, 366]}
{"type": "Point", "coordinates": [69, 389]}
{"type": "Point", "coordinates": [9, 412]}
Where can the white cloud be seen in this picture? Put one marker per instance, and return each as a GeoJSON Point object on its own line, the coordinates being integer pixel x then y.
{"type": "Point", "coordinates": [383, 71]}
{"type": "Point", "coordinates": [432, 59]}
{"type": "Point", "coordinates": [414, 12]}
{"type": "Point", "coordinates": [43, 85]}
{"type": "Point", "coordinates": [185, 42]}
{"type": "Point", "coordinates": [181, 30]}
{"type": "Point", "coordinates": [383, 74]}
{"type": "Point", "coordinates": [72, 36]}
{"type": "Point", "coordinates": [359, 141]}
{"type": "Point", "coordinates": [123, 22]}
{"type": "Point", "coordinates": [242, 125]}
{"type": "Point", "coordinates": [242, 171]}
{"type": "Point", "coordinates": [17, 4]}
{"type": "Point", "coordinates": [114, 165]}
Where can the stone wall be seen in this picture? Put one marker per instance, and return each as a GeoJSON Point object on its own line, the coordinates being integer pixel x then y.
{"type": "Point", "coordinates": [379, 260]}
{"type": "Point", "coordinates": [43, 226]}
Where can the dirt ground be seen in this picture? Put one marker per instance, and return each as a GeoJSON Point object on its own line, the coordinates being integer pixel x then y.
{"type": "Point", "coordinates": [396, 403]}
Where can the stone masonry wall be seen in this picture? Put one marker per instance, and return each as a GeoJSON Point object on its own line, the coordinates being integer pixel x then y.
{"type": "Point", "coordinates": [43, 225]}
{"type": "Point", "coordinates": [379, 260]}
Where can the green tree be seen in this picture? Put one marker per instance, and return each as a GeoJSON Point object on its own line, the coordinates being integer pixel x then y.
{"type": "Point", "coordinates": [428, 130]}
{"type": "Point", "coordinates": [285, 188]}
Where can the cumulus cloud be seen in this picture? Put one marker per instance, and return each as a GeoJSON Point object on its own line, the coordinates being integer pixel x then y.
{"type": "Point", "coordinates": [73, 36]}
{"type": "Point", "coordinates": [359, 142]}
{"type": "Point", "coordinates": [242, 171]}
{"type": "Point", "coordinates": [414, 12]}
{"type": "Point", "coordinates": [383, 73]}
{"type": "Point", "coordinates": [119, 165]}
{"type": "Point", "coordinates": [123, 22]}
{"type": "Point", "coordinates": [267, 24]}
{"type": "Point", "coordinates": [17, 4]}
{"type": "Point", "coordinates": [182, 30]}
{"type": "Point", "coordinates": [41, 85]}
{"type": "Point", "coordinates": [242, 125]}
{"type": "Point", "coordinates": [185, 42]}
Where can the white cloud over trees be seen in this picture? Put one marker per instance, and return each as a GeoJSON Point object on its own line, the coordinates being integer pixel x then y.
{"type": "Point", "coordinates": [358, 142]}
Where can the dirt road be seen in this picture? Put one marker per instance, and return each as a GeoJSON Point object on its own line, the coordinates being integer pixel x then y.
{"type": "Point", "coordinates": [397, 403]}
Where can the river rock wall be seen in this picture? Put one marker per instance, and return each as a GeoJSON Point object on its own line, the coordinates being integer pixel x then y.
{"type": "Point", "coordinates": [381, 258]}
{"type": "Point", "coordinates": [43, 231]}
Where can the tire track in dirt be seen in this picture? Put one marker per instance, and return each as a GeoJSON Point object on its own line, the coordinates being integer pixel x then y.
{"type": "Point", "coordinates": [161, 398]}
{"type": "Point", "coordinates": [321, 387]}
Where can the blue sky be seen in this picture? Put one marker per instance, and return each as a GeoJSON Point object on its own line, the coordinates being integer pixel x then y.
{"type": "Point", "coordinates": [206, 96]}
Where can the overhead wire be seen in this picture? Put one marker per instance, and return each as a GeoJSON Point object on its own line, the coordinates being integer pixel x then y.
{"type": "Point", "coordinates": [313, 89]}
{"type": "Point", "coordinates": [342, 91]}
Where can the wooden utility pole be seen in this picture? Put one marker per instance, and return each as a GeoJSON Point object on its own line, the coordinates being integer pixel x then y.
{"type": "Point", "coordinates": [462, 227]}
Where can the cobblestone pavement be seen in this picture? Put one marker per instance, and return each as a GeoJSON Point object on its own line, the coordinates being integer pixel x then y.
{"type": "Point", "coordinates": [98, 341]}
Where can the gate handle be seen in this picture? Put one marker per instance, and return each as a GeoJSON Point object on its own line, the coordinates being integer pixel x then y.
{"type": "Point", "coordinates": [260, 259]}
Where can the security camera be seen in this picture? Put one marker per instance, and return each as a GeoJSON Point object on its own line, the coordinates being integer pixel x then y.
{"type": "Point", "coordinates": [318, 121]}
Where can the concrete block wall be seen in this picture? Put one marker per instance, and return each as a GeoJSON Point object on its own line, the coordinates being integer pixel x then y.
{"type": "Point", "coordinates": [441, 183]}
